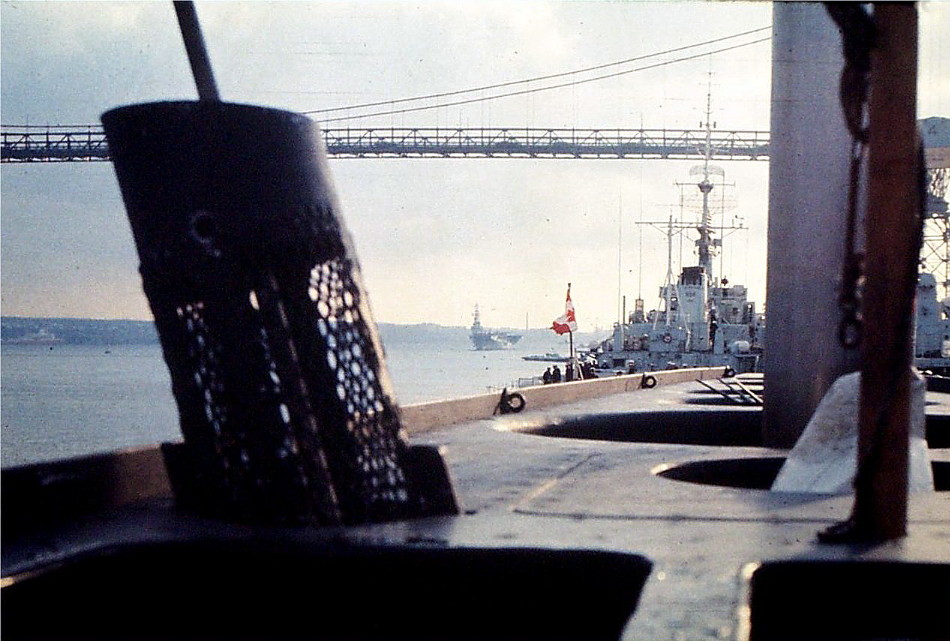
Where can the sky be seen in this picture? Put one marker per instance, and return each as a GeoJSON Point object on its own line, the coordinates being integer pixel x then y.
{"type": "Point", "coordinates": [434, 237]}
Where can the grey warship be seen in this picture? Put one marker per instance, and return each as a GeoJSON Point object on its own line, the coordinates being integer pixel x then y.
{"type": "Point", "coordinates": [703, 320]}
{"type": "Point", "coordinates": [485, 339]}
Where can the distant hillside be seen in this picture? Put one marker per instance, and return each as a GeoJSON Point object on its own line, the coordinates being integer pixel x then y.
{"type": "Point", "coordinates": [421, 333]}
{"type": "Point", "coordinates": [84, 331]}
{"type": "Point", "coordinates": [81, 331]}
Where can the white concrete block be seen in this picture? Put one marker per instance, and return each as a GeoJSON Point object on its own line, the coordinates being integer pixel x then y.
{"type": "Point", "coordinates": [825, 457]}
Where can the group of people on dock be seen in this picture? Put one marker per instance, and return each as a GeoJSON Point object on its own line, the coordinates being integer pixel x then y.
{"type": "Point", "coordinates": [572, 371]}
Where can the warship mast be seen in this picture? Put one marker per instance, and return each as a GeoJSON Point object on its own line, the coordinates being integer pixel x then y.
{"type": "Point", "coordinates": [706, 244]}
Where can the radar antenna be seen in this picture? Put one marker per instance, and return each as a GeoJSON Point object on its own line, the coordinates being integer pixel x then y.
{"type": "Point", "coordinates": [712, 178]}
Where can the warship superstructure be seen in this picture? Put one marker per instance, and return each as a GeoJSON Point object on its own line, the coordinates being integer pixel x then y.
{"type": "Point", "coordinates": [703, 320]}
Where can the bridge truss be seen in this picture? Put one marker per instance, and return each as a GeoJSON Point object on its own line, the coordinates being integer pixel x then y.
{"type": "Point", "coordinates": [88, 143]}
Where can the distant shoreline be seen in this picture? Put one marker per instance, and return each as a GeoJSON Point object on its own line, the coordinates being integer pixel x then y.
{"type": "Point", "coordinates": [93, 331]}
{"type": "Point", "coordinates": [26, 330]}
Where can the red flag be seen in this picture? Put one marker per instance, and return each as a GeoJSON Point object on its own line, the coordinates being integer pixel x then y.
{"type": "Point", "coordinates": [567, 322]}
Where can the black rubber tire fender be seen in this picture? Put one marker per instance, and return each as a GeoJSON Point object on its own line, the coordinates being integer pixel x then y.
{"type": "Point", "coordinates": [516, 402]}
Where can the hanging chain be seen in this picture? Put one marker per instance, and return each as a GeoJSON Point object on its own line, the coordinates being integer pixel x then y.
{"type": "Point", "coordinates": [858, 34]}
{"type": "Point", "coordinates": [850, 327]}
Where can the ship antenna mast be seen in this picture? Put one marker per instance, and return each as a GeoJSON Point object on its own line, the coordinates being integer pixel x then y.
{"type": "Point", "coordinates": [707, 247]}
{"type": "Point", "coordinates": [669, 272]}
{"type": "Point", "coordinates": [705, 243]}
{"type": "Point", "coordinates": [670, 228]}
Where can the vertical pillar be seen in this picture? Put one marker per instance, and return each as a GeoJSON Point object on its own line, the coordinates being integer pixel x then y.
{"type": "Point", "coordinates": [808, 195]}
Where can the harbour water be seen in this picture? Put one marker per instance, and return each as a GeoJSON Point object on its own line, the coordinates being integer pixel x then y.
{"type": "Point", "coordinates": [69, 400]}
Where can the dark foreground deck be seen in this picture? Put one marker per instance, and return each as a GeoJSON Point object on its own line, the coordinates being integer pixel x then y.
{"type": "Point", "coordinates": [662, 506]}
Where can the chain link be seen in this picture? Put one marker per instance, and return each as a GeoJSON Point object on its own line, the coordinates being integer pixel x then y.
{"type": "Point", "coordinates": [858, 35]}
{"type": "Point", "coordinates": [851, 325]}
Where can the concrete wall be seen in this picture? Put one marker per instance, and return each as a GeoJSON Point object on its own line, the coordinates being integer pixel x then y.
{"type": "Point", "coordinates": [425, 417]}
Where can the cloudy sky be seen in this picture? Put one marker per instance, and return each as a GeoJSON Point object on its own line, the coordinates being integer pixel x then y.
{"type": "Point", "coordinates": [434, 236]}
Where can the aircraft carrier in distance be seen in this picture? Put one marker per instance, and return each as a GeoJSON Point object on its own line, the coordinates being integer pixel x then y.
{"type": "Point", "coordinates": [486, 339]}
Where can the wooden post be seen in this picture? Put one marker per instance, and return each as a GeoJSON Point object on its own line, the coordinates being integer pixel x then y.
{"type": "Point", "coordinates": [892, 247]}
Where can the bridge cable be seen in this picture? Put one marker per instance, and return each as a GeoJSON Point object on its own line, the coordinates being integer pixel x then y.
{"type": "Point", "coordinates": [538, 89]}
{"type": "Point", "coordinates": [536, 79]}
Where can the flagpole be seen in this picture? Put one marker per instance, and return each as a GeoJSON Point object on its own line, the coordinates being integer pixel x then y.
{"type": "Point", "coordinates": [567, 322]}
{"type": "Point", "coordinates": [570, 338]}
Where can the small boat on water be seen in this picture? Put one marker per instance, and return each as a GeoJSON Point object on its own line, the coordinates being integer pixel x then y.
{"type": "Point", "coordinates": [548, 357]}
{"type": "Point", "coordinates": [41, 337]}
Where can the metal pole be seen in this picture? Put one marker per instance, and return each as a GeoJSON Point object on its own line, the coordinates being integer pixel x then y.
{"type": "Point", "coordinates": [197, 53]}
{"type": "Point", "coordinates": [808, 189]}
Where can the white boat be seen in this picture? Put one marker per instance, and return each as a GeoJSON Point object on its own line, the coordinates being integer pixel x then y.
{"type": "Point", "coordinates": [41, 337]}
{"type": "Point", "coordinates": [548, 357]}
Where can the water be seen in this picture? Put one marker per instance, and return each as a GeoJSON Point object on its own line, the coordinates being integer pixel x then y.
{"type": "Point", "coordinates": [71, 400]}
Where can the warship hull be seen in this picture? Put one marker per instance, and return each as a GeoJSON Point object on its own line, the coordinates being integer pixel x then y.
{"type": "Point", "coordinates": [493, 340]}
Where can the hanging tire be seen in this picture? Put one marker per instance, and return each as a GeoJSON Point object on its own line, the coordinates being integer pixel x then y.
{"type": "Point", "coordinates": [648, 382]}
{"type": "Point", "coordinates": [509, 403]}
{"type": "Point", "coordinates": [516, 402]}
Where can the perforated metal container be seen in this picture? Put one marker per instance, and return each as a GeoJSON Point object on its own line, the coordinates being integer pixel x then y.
{"type": "Point", "coordinates": [286, 407]}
